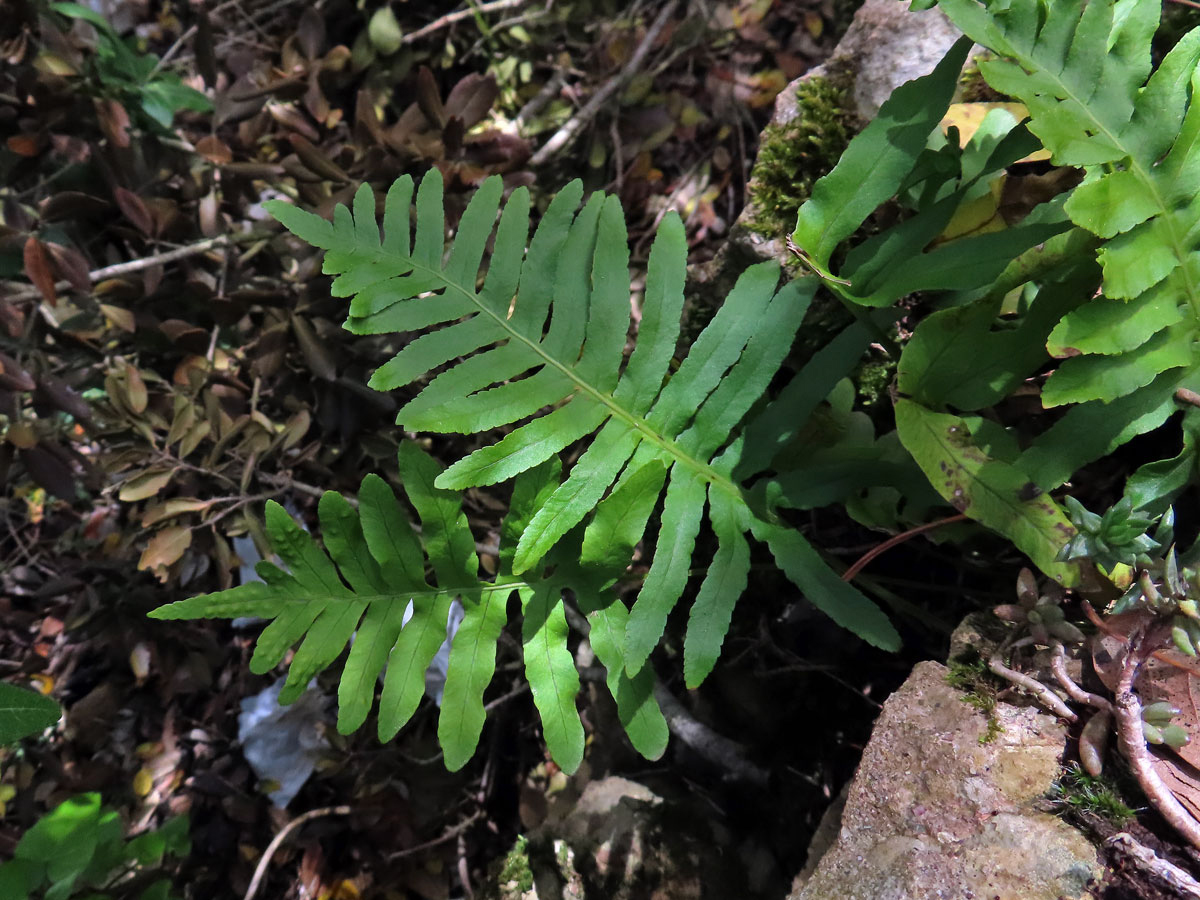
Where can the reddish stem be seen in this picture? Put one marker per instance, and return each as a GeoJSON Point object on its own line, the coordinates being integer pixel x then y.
{"type": "Point", "coordinates": [891, 542]}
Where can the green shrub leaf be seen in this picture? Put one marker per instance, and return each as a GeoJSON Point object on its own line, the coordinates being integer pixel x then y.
{"type": "Point", "coordinates": [24, 712]}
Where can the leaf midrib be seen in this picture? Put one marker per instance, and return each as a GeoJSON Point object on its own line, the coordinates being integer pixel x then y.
{"type": "Point", "coordinates": [638, 423]}
{"type": "Point", "coordinates": [1143, 174]}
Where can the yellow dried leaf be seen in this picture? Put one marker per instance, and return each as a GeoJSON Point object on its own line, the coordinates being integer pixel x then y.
{"type": "Point", "coordinates": [118, 317]}
{"type": "Point", "coordinates": [143, 782]}
{"type": "Point", "coordinates": [967, 117]}
{"type": "Point", "coordinates": [145, 484]}
{"type": "Point", "coordinates": [164, 549]}
{"type": "Point", "coordinates": [174, 507]}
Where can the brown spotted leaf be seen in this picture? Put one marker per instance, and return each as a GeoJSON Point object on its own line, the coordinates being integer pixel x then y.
{"type": "Point", "coordinates": [985, 489]}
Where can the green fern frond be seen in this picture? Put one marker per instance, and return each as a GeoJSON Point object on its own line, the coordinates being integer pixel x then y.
{"type": "Point", "coordinates": [370, 584]}
{"type": "Point", "coordinates": [542, 336]}
{"type": "Point", "coordinates": [1137, 135]}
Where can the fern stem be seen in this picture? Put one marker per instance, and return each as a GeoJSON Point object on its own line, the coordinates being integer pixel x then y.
{"type": "Point", "coordinates": [893, 541]}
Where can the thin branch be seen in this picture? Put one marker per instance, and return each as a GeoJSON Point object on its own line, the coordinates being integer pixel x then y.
{"type": "Point", "coordinates": [539, 101]}
{"type": "Point", "coordinates": [146, 262]}
{"type": "Point", "coordinates": [457, 16]}
{"type": "Point", "coordinates": [1128, 710]}
{"type": "Point", "coordinates": [1058, 665]}
{"type": "Point", "coordinates": [1154, 866]}
{"type": "Point", "coordinates": [1161, 655]}
{"type": "Point", "coordinates": [447, 835]}
{"type": "Point", "coordinates": [576, 123]}
{"type": "Point", "coordinates": [261, 870]}
{"type": "Point", "coordinates": [716, 748]}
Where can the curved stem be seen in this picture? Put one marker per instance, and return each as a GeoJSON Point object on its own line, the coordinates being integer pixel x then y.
{"type": "Point", "coordinates": [1128, 710]}
{"type": "Point", "coordinates": [260, 871]}
{"type": "Point", "coordinates": [900, 538]}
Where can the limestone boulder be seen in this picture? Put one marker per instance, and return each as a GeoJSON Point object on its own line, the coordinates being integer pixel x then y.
{"type": "Point", "coordinates": [937, 811]}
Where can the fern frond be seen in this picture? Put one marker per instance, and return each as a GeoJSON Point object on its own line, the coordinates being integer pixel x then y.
{"type": "Point", "coordinates": [542, 336]}
{"type": "Point", "coordinates": [369, 587]}
{"type": "Point", "coordinates": [1137, 134]}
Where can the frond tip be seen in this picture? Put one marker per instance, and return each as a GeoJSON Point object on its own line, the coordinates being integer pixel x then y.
{"type": "Point", "coordinates": [368, 588]}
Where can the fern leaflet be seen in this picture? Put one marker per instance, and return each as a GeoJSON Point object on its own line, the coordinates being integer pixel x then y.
{"type": "Point", "coordinates": [1137, 135]}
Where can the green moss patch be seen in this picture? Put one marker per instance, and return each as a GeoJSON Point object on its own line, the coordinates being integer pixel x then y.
{"type": "Point", "coordinates": [792, 156]}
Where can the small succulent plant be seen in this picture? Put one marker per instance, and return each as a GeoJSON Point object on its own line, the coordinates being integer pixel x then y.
{"type": "Point", "coordinates": [1119, 536]}
{"type": "Point", "coordinates": [1158, 727]}
{"type": "Point", "coordinates": [1040, 611]}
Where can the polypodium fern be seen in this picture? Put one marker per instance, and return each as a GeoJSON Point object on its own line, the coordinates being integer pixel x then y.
{"type": "Point", "coordinates": [1136, 134]}
{"type": "Point", "coordinates": [372, 585]}
{"type": "Point", "coordinates": [544, 337]}
{"type": "Point", "coordinates": [1124, 329]}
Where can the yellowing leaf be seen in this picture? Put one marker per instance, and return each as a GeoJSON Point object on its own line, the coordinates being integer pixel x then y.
{"type": "Point", "coordinates": [171, 508]}
{"type": "Point", "coordinates": [967, 117]}
{"type": "Point", "coordinates": [145, 484]}
{"type": "Point", "coordinates": [978, 216]}
{"type": "Point", "coordinates": [118, 317]}
{"type": "Point", "coordinates": [143, 782]}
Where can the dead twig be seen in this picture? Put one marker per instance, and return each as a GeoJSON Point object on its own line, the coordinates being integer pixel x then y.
{"type": "Point", "coordinates": [1049, 699]}
{"type": "Point", "coordinates": [1154, 866]}
{"type": "Point", "coordinates": [716, 748]}
{"type": "Point", "coordinates": [576, 123]}
{"type": "Point", "coordinates": [138, 265]}
{"type": "Point", "coordinates": [1058, 665]}
{"type": "Point", "coordinates": [458, 16]}
{"type": "Point", "coordinates": [448, 835]}
{"type": "Point", "coordinates": [1093, 738]}
{"type": "Point", "coordinates": [1128, 711]}
{"type": "Point", "coordinates": [261, 870]}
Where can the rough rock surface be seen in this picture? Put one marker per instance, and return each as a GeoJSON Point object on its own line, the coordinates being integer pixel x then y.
{"type": "Point", "coordinates": [933, 813]}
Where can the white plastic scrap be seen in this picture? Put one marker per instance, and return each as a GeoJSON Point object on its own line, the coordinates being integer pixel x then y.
{"type": "Point", "coordinates": [283, 743]}
{"type": "Point", "coordinates": [435, 675]}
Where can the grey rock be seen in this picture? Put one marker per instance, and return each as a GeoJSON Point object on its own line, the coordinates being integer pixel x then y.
{"type": "Point", "coordinates": [885, 46]}
{"type": "Point", "coordinates": [888, 44]}
{"type": "Point", "coordinates": [934, 813]}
